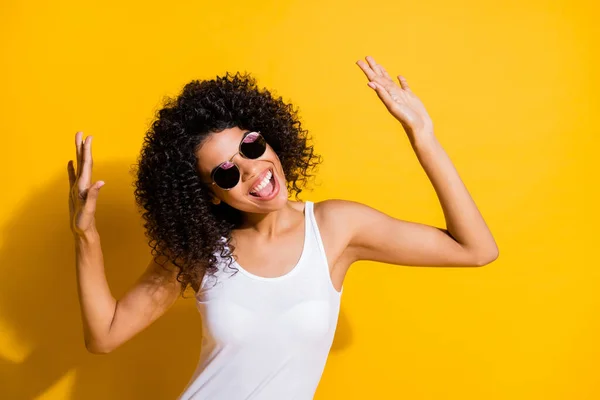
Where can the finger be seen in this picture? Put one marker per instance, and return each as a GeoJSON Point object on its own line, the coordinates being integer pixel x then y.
{"type": "Point", "coordinates": [71, 172]}
{"type": "Point", "coordinates": [366, 69]}
{"type": "Point", "coordinates": [374, 66]}
{"type": "Point", "coordinates": [92, 196]}
{"type": "Point", "coordinates": [384, 72]}
{"type": "Point", "coordinates": [383, 94]}
{"type": "Point", "coordinates": [403, 83]}
{"type": "Point", "coordinates": [72, 178]}
{"type": "Point", "coordinates": [71, 207]}
{"type": "Point", "coordinates": [86, 168]}
{"type": "Point", "coordinates": [78, 137]}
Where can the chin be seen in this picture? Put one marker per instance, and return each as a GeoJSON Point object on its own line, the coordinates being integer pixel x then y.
{"type": "Point", "coordinates": [274, 204]}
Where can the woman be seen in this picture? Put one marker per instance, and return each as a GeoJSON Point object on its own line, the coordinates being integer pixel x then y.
{"type": "Point", "coordinates": [267, 272]}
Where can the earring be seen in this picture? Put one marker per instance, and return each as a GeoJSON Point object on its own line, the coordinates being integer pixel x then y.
{"type": "Point", "coordinates": [216, 201]}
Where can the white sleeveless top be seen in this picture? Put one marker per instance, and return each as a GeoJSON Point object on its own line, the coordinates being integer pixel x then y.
{"type": "Point", "coordinates": [266, 338]}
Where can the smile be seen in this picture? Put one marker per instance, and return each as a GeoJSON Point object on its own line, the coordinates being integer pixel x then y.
{"type": "Point", "coordinates": [267, 188]}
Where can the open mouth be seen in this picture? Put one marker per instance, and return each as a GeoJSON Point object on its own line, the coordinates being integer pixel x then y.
{"type": "Point", "coordinates": [266, 187]}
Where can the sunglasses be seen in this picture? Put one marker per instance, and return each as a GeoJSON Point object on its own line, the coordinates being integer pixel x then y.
{"type": "Point", "coordinates": [227, 174]}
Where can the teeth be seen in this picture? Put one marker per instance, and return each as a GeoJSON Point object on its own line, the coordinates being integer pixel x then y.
{"type": "Point", "coordinates": [263, 183]}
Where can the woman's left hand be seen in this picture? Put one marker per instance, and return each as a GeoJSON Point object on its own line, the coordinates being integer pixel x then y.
{"type": "Point", "coordinates": [400, 101]}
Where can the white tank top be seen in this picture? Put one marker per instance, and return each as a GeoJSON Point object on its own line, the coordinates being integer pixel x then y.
{"type": "Point", "coordinates": [266, 338]}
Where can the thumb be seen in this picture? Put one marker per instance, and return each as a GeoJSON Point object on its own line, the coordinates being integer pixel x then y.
{"type": "Point", "coordinates": [92, 196]}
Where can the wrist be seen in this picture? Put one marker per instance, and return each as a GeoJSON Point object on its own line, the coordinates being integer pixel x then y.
{"type": "Point", "coordinates": [423, 139]}
{"type": "Point", "coordinates": [87, 237]}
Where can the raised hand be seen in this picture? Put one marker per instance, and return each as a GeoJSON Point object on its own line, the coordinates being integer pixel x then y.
{"type": "Point", "coordinates": [400, 101]}
{"type": "Point", "coordinates": [82, 194]}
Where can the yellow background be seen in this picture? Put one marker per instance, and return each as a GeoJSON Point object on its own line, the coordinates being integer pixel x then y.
{"type": "Point", "coordinates": [511, 88]}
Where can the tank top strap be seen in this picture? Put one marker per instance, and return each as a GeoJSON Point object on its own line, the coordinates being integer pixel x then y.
{"type": "Point", "coordinates": [316, 243]}
{"type": "Point", "coordinates": [312, 266]}
{"type": "Point", "coordinates": [313, 228]}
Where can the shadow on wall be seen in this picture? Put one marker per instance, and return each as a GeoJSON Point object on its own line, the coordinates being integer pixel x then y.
{"type": "Point", "coordinates": [39, 305]}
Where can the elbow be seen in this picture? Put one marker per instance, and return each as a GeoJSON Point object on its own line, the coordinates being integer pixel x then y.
{"type": "Point", "coordinates": [97, 347]}
{"type": "Point", "coordinates": [488, 258]}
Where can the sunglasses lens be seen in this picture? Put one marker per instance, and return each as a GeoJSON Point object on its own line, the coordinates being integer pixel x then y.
{"type": "Point", "coordinates": [227, 175]}
{"type": "Point", "coordinates": [253, 145]}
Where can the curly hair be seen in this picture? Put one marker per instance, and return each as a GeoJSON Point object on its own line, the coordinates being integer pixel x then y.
{"type": "Point", "coordinates": [181, 223]}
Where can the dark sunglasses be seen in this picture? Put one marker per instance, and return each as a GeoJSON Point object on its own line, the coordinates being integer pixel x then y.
{"type": "Point", "coordinates": [227, 175]}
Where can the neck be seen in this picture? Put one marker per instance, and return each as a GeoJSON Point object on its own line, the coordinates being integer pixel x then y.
{"type": "Point", "coordinates": [270, 224]}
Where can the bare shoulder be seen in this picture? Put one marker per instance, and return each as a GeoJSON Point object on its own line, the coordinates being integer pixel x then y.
{"type": "Point", "coordinates": [345, 224]}
{"type": "Point", "coordinates": [342, 213]}
{"type": "Point", "coordinates": [161, 273]}
{"type": "Point", "coordinates": [338, 220]}
{"type": "Point", "coordinates": [165, 274]}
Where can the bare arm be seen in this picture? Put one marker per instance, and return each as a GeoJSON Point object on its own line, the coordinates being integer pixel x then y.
{"type": "Point", "coordinates": [373, 235]}
{"type": "Point", "coordinates": [108, 322]}
{"type": "Point", "coordinates": [467, 241]}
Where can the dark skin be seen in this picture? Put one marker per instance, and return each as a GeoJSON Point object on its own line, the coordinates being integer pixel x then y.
{"type": "Point", "coordinates": [270, 240]}
{"type": "Point", "coordinates": [273, 229]}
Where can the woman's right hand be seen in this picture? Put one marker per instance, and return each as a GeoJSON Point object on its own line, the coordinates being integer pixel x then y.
{"type": "Point", "coordinates": [82, 194]}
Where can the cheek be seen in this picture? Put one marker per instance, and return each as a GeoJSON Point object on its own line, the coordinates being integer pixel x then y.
{"type": "Point", "coordinates": [274, 158]}
{"type": "Point", "coordinates": [232, 196]}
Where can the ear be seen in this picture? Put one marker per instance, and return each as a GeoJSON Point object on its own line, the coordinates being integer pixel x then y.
{"type": "Point", "coordinates": [213, 197]}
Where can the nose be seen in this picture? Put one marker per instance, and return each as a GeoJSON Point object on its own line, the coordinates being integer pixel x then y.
{"type": "Point", "coordinates": [249, 169]}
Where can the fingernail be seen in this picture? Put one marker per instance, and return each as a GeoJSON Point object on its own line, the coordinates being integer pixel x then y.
{"type": "Point", "coordinates": [371, 85]}
{"type": "Point", "coordinates": [100, 184]}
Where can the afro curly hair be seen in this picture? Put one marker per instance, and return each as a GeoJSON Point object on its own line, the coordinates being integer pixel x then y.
{"type": "Point", "coordinates": [181, 223]}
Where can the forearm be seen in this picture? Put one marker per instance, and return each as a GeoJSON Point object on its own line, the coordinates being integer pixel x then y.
{"type": "Point", "coordinates": [463, 220]}
{"type": "Point", "coordinates": [96, 301]}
